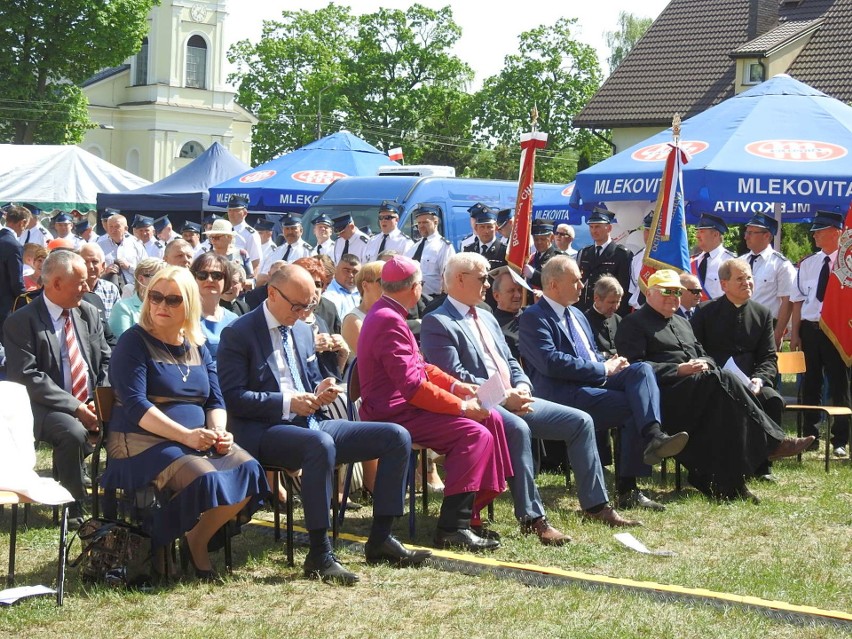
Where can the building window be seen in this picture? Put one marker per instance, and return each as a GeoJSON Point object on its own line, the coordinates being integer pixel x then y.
{"type": "Point", "coordinates": [132, 164]}
{"type": "Point", "coordinates": [196, 62]}
{"type": "Point", "coordinates": [754, 73]}
{"type": "Point", "coordinates": [191, 150]}
{"type": "Point", "coordinates": [141, 77]}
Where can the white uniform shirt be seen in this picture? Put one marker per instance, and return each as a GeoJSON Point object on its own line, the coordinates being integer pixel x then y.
{"type": "Point", "coordinates": [436, 252]}
{"type": "Point", "coordinates": [266, 248]}
{"type": "Point", "coordinates": [774, 278]}
{"type": "Point", "coordinates": [397, 241]}
{"type": "Point", "coordinates": [711, 283]}
{"type": "Point", "coordinates": [357, 246]}
{"type": "Point", "coordinates": [635, 271]}
{"type": "Point", "coordinates": [806, 284]}
{"type": "Point", "coordinates": [155, 248]}
{"type": "Point", "coordinates": [76, 241]}
{"type": "Point", "coordinates": [327, 249]}
{"type": "Point", "coordinates": [129, 250]}
{"type": "Point", "coordinates": [249, 240]}
{"type": "Point", "coordinates": [36, 235]}
{"type": "Point", "coordinates": [296, 251]}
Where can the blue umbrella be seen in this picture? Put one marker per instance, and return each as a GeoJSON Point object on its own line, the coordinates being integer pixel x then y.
{"type": "Point", "coordinates": [779, 142]}
{"type": "Point", "coordinates": [294, 181]}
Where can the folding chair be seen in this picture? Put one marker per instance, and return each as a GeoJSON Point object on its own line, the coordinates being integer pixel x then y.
{"type": "Point", "coordinates": [793, 363]}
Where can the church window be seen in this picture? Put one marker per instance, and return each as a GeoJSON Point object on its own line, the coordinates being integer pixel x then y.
{"type": "Point", "coordinates": [196, 62]}
{"type": "Point", "coordinates": [191, 150]}
{"type": "Point", "coordinates": [141, 77]}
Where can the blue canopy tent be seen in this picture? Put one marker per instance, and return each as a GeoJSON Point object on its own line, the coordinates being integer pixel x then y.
{"type": "Point", "coordinates": [294, 181]}
{"type": "Point", "coordinates": [184, 193]}
{"type": "Point", "coordinates": [780, 143]}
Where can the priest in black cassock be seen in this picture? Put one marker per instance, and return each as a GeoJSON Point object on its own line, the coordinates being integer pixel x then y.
{"type": "Point", "coordinates": [602, 315]}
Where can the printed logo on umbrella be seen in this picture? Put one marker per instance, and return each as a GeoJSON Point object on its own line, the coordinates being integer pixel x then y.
{"type": "Point", "coordinates": [568, 190]}
{"type": "Point", "coordinates": [257, 176]}
{"type": "Point", "coordinates": [318, 176]}
{"type": "Point", "coordinates": [796, 150]}
{"type": "Point", "coordinates": [659, 152]}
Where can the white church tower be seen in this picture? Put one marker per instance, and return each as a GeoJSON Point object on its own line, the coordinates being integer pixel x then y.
{"type": "Point", "coordinates": [167, 104]}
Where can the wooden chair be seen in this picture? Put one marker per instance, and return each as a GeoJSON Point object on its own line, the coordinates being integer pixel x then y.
{"type": "Point", "coordinates": [794, 363]}
{"type": "Point", "coordinates": [119, 508]}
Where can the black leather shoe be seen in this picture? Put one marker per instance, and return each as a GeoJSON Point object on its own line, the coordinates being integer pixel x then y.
{"type": "Point", "coordinates": [485, 533]}
{"type": "Point", "coordinates": [391, 551]}
{"type": "Point", "coordinates": [637, 499]}
{"type": "Point", "coordinates": [464, 538]}
{"type": "Point", "coordinates": [327, 568]}
{"type": "Point", "coordinates": [663, 446]}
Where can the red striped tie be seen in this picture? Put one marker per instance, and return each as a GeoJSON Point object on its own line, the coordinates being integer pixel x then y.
{"type": "Point", "coordinates": [79, 376]}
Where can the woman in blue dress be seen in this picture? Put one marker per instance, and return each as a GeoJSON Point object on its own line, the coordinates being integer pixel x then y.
{"type": "Point", "coordinates": [168, 425]}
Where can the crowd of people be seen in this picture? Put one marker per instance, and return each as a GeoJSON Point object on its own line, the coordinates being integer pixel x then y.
{"type": "Point", "coordinates": [228, 355]}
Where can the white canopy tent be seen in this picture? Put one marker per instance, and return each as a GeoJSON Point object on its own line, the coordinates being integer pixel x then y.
{"type": "Point", "coordinates": [59, 177]}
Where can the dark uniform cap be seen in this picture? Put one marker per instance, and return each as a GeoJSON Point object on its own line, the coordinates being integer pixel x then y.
{"type": "Point", "coordinates": [391, 207]}
{"type": "Point", "coordinates": [826, 220]}
{"type": "Point", "coordinates": [763, 221]}
{"type": "Point", "coordinates": [427, 209]}
{"type": "Point", "coordinates": [542, 227]}
{"type": "Point", "coordinates": [211, 218]}
{"type": "Point", "coordinates": [193, 227]}
{"type": "Point", "coordinates": [142, 221]}
{"type": "Point", "coordinates": [504, 215]}
{"type": "Point", "coordinates": [478, 209]}
{"type": "Point", "coordinates": [323, 219]}
{"type": "Point", "coordinates": [341, 222]}
{"type": "Point", "coordinates": [647, 220]}
{"type": "Point", "coordinates": [82, 226]}
{"type": "Point", "coordinates": [238, 202]}
{"type": "Point", "coordinates": [62, 217]}
{"type": "Point", "coordinates": [161, 222]}
{"type": "Point", "coordinates": [709, 221]}
{"type": "Point", "coordinates": [108, 213]}
{"type": "Point", "coordinates": [601, 216]}
{"type": "Point", "coordinates": [291, 219]}
{"type": "Point", "coordinates": [264, 225]}
{"type": "Point", "coordinates": [486, 216]}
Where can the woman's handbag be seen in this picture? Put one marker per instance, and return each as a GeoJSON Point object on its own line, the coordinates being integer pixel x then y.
{"type": "Point", "coordinates": [114, 553]}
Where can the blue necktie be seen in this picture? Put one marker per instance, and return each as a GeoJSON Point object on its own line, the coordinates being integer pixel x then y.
{"type": "Point", "coordinates": [294, 370]}
{"type": "Point", "coordinates": [579, 345]}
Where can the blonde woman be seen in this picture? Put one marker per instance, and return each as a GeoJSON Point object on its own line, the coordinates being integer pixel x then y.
{"type": "Point", "coordinates": [168, 431]}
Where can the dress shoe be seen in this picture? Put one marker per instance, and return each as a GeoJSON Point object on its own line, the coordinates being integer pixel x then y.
{"type": "Point", "coordinates": [637, 499]}
{"type": "Point", "coordinates": [485, 533]}
{"type": "Point", "coordinates": [611, 518]}
{"type": "Point", "coordinates": [465, 539]}
{"type": "Point", "coordinates": [186, 558]}
{"type": "Point", "coordinates": [791, 446]}
{"type": "Point", "coordinates": [547, 534]}
{"type": "Point", "coordinates": [840, 451]}
{"type": "Point", "coordinates": [391, 551]}
{"type": "Point", "coordinates": [326, 567]}
{"type": "Point", "coordinates": [663, 446]}
{"type": "Point", "coordinates": [768, 478]}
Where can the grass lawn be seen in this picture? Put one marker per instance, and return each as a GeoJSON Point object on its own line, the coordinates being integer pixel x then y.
{"type": "Point", "coordinates": [794, 547]}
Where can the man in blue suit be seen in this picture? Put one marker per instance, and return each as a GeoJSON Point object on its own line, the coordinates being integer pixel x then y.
{"type": "Point", "coordinates": [557, 344]}
{"type": "Point", "coordinates": [468, 344]}
{"type": "Point", "coordinates": [275, 396]}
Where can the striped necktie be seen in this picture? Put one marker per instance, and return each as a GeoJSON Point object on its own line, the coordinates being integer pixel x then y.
{"type": "Point", "coordinates": [79, 375]}
{"type": "Point", "coordinates": [290, 355]}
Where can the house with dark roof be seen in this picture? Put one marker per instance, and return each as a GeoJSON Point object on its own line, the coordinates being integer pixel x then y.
{"type": "Point", "coordinates": [698, 53]}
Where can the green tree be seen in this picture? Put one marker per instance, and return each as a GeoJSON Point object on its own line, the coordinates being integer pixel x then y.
{"type": "Point", "coordinates": [557, 75]}
{"type": "Point", "coordinates": [52, 47]}
{"type": "Point", "coordinates": [620, 42]}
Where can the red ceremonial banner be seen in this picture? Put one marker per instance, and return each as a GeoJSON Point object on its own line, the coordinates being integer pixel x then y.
{"type": "Point", "coordinates": [836, 317]}
{"type": "Point", "coordinates": [519, 243]}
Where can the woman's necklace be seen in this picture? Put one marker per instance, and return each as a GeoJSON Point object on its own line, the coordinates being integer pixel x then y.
{"type": "Point", "coordinates": [183, 375]}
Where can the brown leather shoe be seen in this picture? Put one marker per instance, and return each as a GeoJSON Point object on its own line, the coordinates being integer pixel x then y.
{"type": "Point", "coordinates": [611, 518]}
{"type": "Point", "coordinates": [791, 446]}
{"type": "Point", "coordinates": [547, 534]}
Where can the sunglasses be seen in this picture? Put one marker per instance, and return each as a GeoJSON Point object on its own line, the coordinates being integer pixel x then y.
{"type": "Point", "coordinates": [387, 217]}
{"type": "Point", "coordinates": [482, 279]}
{"type": "Point", "coordinates": [671, 292]}
{"type": "Point", "coordinates": [157, 298]}
{"type": "Point", "coordinates": [694, 291]}
{"type": "Point", "coordinates": [563, 234]}
{"type": "Point", "coordinates": [203, 276]}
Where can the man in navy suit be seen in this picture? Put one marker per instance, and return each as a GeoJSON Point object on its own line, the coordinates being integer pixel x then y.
{"type": "Point", "coordinates": [12, 258]}
{"type": "Point", "coordinates": [468, 344]}
{"type": "Point", "coordinates": [559, 348]}
{"type": "Point", "coordinates": [275, 396]}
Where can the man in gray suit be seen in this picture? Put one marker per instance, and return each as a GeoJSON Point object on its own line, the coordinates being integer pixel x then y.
{"type": "Point", "coordinates": [55, 347]}
{"type": "Point", "coordinates": [468, 344]}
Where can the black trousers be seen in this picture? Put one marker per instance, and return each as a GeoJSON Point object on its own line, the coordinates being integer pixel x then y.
{"type": "Point", "coordinates": [823, 361]}
{"type": "Point", "coordinates": [69, 440]}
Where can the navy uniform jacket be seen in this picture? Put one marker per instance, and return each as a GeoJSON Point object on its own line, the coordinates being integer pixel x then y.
{"type": "Point", "coordinates": [537, 262]}
{"type": "Point", "coordinates": [614, 260]}
{"type": "Point", "coordinates": [11, 271]}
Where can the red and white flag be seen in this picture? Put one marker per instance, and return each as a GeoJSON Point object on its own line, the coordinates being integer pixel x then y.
{"type": "Point", "coordinates": [395, 154]}
{"type": "Point", "coordinates": [519, 243]}
{"type": "Point", "coordinates": [835, 318]}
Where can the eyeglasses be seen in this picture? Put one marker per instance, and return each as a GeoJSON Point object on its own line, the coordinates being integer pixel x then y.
{"type": "Point", "coordinates": [216, 276]}
{"type": "Point", "coordinates": [156, 298]}
{"type": "Point", "coordinates": [482, 279]}
{"type": "Point", "coordinates": [318, 284]}
{"type": "Point", "coordinates": [387, 217]}
{"type": "Point", "coordinates": [671, 292]}
{"type": "Point", "coordinates": [694, 291]}
{"type": "Point", "coordinates": [563, 234]}
{"type": "Point", "coordinates": [296, 308]}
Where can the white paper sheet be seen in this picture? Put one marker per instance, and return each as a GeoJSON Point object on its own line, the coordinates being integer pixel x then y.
{"type": "Point", "coordinates": [634, 544]}
{"type": "Point", "coordinates": [731, 366]}
{"type": "Point", "coordinates": [11, 595]}
{"type": "Point", "coordinates": [492, 392]}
